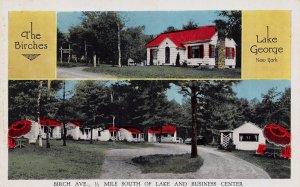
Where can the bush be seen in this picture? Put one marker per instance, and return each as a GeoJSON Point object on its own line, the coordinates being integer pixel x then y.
{"type": "Point", "coordinates": [178, 60]}
{"type": "Point", "coordinates": [184, 64]}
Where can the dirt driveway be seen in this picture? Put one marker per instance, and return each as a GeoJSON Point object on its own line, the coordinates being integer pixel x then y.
{"type": "Point", "coordinates": [217, 164]}
{"type": "Point", "coordinates": [77, 72]}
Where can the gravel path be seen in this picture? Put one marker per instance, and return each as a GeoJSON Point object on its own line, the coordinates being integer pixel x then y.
{"type": "Point", "coordinates": [77, 72]}
{"type": "Point", "coordinates": [217, 164]}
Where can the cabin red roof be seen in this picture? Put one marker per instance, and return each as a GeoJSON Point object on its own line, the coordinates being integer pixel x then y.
{"type": "Point", "coordinates": [76, 123]}
{"type": "Point", "coordinates": [112, 129]}
{"type": "Point", "coordinates": [202, 33]}
{"type": "Point", "coordinates": [49, 122]}
{"type": "Point", "coordinates": [134, 130]}
{"type": "Point", "coordinates": [163, 129]}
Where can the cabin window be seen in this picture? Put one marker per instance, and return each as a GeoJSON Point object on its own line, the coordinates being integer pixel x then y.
{"type": "Point", "coordinates": [134, 135]}
{"type": "Point", "coordinates": [81, 130]}
{"type": "Point", "coordinates": [212, 51]}
{"type": "Point", "coordinates": [86, 131]}
{"type": "Point", "coordinates": [196, 51]}
{"type": "Point", "coordinates": [230, 53]}
{"type": "Point", "coordinates": [248, 137]}
{"type": "Point", "coordinates": [99, 133]}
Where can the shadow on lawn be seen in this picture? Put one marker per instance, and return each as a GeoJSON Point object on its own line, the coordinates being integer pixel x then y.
{"type": "Point", "coordinates": [277, 168]}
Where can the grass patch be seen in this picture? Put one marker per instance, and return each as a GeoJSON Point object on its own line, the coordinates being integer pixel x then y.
{"type": "Point", "coordinates": [168, 163]}
{"type": "Point", "coordinates": [72, 64]}
{"type": "Point", "coordinates": [277, 168]}
{"type": "Point", "coordinates": [77, 160]}
{"type": "Point", "coordinates": [163, 72]}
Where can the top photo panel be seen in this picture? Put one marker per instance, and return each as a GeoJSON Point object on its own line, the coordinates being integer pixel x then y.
{"type": "Point", "coordinates": [149, 45]}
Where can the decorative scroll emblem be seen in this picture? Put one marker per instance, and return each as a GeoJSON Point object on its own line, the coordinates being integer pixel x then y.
{"type": "Point", "coordinates": [31, 57]}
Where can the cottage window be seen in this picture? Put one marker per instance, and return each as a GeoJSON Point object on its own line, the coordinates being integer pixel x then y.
{"type": "Point", "coordinates": [99, 133]}
{"type": "Point", "coordinates": [248, 137]}
{"type": "Point", "coordinates": [196, 51]}
{"type": "Point", "coordinates": [134, 135]}
{"type": "Point", "coordinates": [212, 51]}
{"type": "Point", "coordinates": [230, 53]}
{"type": "Point", "coordinates": [81, 130]}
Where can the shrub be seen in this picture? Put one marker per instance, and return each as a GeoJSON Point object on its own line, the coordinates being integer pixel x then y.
{"type": "Point", "coordinates": [178, 60]}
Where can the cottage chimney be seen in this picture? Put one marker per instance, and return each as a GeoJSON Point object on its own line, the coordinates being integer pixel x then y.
{"type": "Point", "coordinates": [221, 52]}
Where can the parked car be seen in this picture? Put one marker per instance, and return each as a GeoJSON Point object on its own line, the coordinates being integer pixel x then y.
{"type": "Point", "coordinates": [200, 140]}
{"type": "Point", "coordinates": [179, 140]}
{"type": "Point", "coordinates": [188, 141]}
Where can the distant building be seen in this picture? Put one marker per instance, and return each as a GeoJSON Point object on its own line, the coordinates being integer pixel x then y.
{"type": "Point", "coordinates": [165, 133]}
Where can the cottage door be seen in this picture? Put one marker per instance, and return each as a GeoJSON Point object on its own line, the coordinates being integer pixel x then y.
{"type": "Point", "coordinates": [167, 53]}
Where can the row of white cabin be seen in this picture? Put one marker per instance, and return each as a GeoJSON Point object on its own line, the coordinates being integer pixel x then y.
{"type": "Point", "coordinates": [76, 132]}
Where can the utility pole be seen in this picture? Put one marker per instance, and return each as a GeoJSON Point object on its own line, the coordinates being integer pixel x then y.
{"type": "Point", "coordinates": [113, 117]}
{"type": "Point", "coordinates": [61, 54]}
{"type": "Point", "coordinates": [64, 117]}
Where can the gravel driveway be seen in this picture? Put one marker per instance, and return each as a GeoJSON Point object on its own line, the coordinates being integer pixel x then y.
{"type": "Point", "coordinates": [217, 164]}
{"type": "Point", "coordinates": [77, 72]}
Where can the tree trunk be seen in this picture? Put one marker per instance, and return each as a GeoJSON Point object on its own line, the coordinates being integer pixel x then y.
{"type": "Point", "coordinates": [39, 111]}
{"type": "Point", "coordinates": [91, 139]}
{"type": "Point", "coordinates": [194, 152]}
{"type": "Point", "coordinates": [64, 117]}
{"type": "Point", "coordinates": [119, 46]}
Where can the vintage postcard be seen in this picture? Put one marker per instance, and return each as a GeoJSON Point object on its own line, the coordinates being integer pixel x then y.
{"type": "Point", "coordinates": [150, 93]}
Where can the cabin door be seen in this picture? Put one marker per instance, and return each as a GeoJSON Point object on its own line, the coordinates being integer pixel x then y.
{"type": "Point", "coordinates": [167, 57]}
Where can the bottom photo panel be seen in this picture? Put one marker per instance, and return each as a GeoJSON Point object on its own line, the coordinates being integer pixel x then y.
{"type": "Point", "coordinates": [144, 129]}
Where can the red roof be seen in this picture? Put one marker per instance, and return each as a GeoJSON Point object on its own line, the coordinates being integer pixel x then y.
{"type": "Point", "coordinates": [112, 129]}
{"type": "Point", "coordinates": [76, 123]}
{"type": "Point", "coordinates": [163, 129]}
{"type": "Point", "coordinates": [202, 33]}
{"type": "Point", "coordinates": [49, 122]}
{"type": "Point", "coordinates": [134, 130]}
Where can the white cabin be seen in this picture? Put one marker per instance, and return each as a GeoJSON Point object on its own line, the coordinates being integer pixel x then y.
{"type": "Point", "coordinates": [245, 137]}
{"type": "Point", "coordinates": [131, 135]}
{"type": "Point", "coordinates": [165, 134]}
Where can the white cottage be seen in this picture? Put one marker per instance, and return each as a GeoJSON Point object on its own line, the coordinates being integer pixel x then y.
{"type": "Point", "coordinates": [53, 126]}
{"type": "Point", "coordinates": [165, 133]}
{"type": "Point", "coordinates": [32, 135]}
{"type": "Point", "coordinates": [76, 132]}
{"type": "Point", "coordinates": [245, 137]}
{"type": "Point", "coordinates": [131, 134]}
{"type": "Point", "coordinates": [196, 47]}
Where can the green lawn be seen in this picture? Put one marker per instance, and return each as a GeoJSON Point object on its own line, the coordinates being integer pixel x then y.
{"type": "Point", "coordinates": [77, 160]}
{"type": "Point", "coordinates": [277, 168]}
{"type": "Point", "coordinates": [168, 163]}
{"type": "Point", "coordinates": [164, 72]}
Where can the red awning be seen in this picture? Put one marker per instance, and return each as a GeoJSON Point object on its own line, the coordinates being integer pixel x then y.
{"type": "Point", "coordinates": [134, 130]}
{"type": "Point", "coordinates": [164, 129]}
{"type": "Point", "coordinates": [276, 134]}
{"type": "Point", "coordinates": [49, 122]}
{"type": "Point", "coordinates": [19, 128]}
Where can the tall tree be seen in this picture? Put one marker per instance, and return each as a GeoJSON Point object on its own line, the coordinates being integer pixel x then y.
{"type": "Point", "coordinates": [191, 24]}
{"type": "Point", "coordinates": [231, 26]}
{"type": "Point", "coordinates": [170, 29]}
{"type": "Point", "coordinates": [200, 92]}
{"type": "Point", "coordinates": [92, 100]}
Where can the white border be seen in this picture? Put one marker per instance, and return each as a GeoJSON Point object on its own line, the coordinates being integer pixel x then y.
{"type": "Point", "coordinates": [144, 5]}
